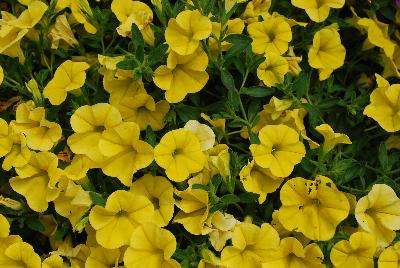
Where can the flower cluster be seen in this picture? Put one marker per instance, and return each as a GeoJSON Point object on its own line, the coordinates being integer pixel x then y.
{"type": "Point", "coordinates": [198, 133]}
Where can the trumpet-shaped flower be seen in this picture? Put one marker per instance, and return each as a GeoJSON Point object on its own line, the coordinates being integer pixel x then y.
{"type": "Point", "coordinates": [280, 149]}
{"type": "Point", "coordinates": [68, 76]}
{"type": "Point", "coordinates": [327, 52]}
{"type": "Point", "coordinates": [318, 10]}
{"type": "Point", "coordinates": [19, 154]}
{"type": "Point", "coordinates": [73, 202]}
{"type": "Point", "coordinates": [358, 251]}
{"type": "Point", "coordinates": [234, 26]}
{"type": "Point", "coordinates": [40, 174]}
{"type": "Point", "coordinates": [115, 223]}
{"type": "Point", "coordinates": [80, 10]}
{"type": "Point", "coordinates": [184, 33]}
{"type": "Point", "coordinates": [378, 213]}
{"type": "Point", "coordinates": [292, 254]}
{"type": "Point", "coordinates": [89, 122]}
{"type": "Point", "coordinates": [129, 12]}
{"type": "Point", "coordinates": [219, 227]}
{"type": "Point", "coordinates": [250, 245]}
{"type": "Point", "coordinates": [390, 257]}
{"type": "Point", "coordinates": [161, 193]}
{"type": "Point", "coordinates": [254, 9]}
{"type": "Point", "coordinates": [385, 105]}
{"type": "Point", "coordinates": [121, 145]}
{"type": "Point", "coordinates": [141, 109]}
{"type": "Point", "coordinates": [152, 247]}
{"type": "Point", "coordinates": [4, 226]}
{"type": "Point", "coordinates": [219, 161]}
{"type": "Point", "coordinates": [6, 141]}
{"type": "Point", "coordinates": [270, 36]}
{"type": "Point", "coordinates": [259, 180]}
{"type": "Point", "coordinates": [312, 207]}
{"type": "Point", "coordinates": [203, 133]}
{"type": "Point", "coordinates": [179, 153]}
{"type": "Point", "coordinates": [54, 261]}
{"type": "Point", "coordinates": [61, 34]}
{"type": "Point", "coordinates": [103, 258]}
{"type": "Point", "coordinates": [272, 71]}
{"type": "Point", "coordinates": [182, 75]}
{"type": "Point", "coordinates": [20, 254]}
{"type": "Point", "coordinates": [40, 133]}
{"type": "Point", "coordinates": [194, 206]}
{"type": "Point", "coordinates": [331, 139]}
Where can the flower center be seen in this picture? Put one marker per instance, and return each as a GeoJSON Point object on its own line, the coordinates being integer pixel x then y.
{"type": "Point", "coordinates": [156, 202]}
{"type": "Point", "coordinates": [99, 128]}
{"type": "Point", "coordinates": [121, 213]}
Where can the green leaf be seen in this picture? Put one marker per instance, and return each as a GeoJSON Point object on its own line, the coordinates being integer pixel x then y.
{"type": "Point", "coordinates": [300, 85]}
{"type": "Point", "coordinates": [248, 198]}
{"type": "Point", "coordinates": [201, 187]}
{"type": "Point", "coordinates": [157, 54]}
{"type": "Point", "coordinates": [151, 136]}
{"type": "Point", "coordinates": [128, 64]}
{"type": "Point", "coordinates": [97, 199]}
{"type": "Point", "coordinates": [383, 157]}
{"type": "Point", "coordinates": [254, 138]}
{"type": "Point", "coordinates": [137, 37]}
{"type": "Point", "coordinates": [239, 44]}
{"type": "Point", "coordinates": [34, 224]}
{"type": "Point", "coordinates": [229, 199]}
{"type": "Point", "coordinates": [228, 80]}
{"type": "Point", "coordinates": [258, 92]}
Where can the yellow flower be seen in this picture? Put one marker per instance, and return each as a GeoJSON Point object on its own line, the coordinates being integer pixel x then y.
{"type": "Point", "coordinates": [110, 71]}
{"type": "Point", "coordinates": [20, 254]}
{"type": "Point", "coordinates": [129, 12]}
{"type": "Point", "coordinates": [40, 134]}
{"type": "Point", "coordinates": [6, 141]}
{"type": "Point", "coordinates": [152, 247]}
{"type": "Point", "coordinates": [259, 180]}
{"type": "Point", "coordinates": [54, 261]}
{"type": "Point", "coordinates": [358, 251]}
{"type": "Point", "coordinates": [40, 174]}
{"type": "Point", "coordinates": [285, 233]}
{"type": "Point", "coordinates": [14, 29]}
{"type": "Point", "coordinates": [194, 210]}
{"type": "Point", "coordinates": [234, 26]}
{"type": "Point", "coordinates": [121, 145]}
{"type": "Point", "coordinates": [179, 153]}
{"type": "Point", "coordinates": [219, 227]}
{"type": "Point", "coordinates": [312, 207]}
{"type": "Point", "coordinates": [115, 223]}
{"type": "Point", "coordinates": [229, 4]}
{"type": "Point", "coordinates": [254, 9]}
{"type": "Point", "coordinates": [78, 167]}
{"type": "Point", "coordinates": [161, 193]}
{"type": "Point", "coordinates": [182, 75]}
{"type": "Point", "coordinates": [270, 36]}
{"type": "Point", "coordinates": [318, 10]}
{"type": "Point", "coordinates": [4, 226]}
{"type": "Point", "coordinates": [250, 245]}
{"type": "Point", "coordinates": [272, 71]}
{"type": "Point", "coordinates": [331, 139]}
{"type": "Point", "coordinates": [209, 260]}
{"type": "Point", "coordinates": [33, 87]}
{"type": "Point", "coordinates": [69, 76]}
{"type": "Point", "coordinates": [80, 10]}
{"type": "Point", "coordinates": [390, 257]}
{"type": "Point", "coordinates": [293, 61]}
{"type": "Point", "coordinates": [184, 33]}
{"type": "Point", "coordinates": [73, 202]}
{"type": "Point", "coordinates": [280, 149]}
{"type": "Point", "coordinates": [1, 75]}
{"type": "Point", "coordinates": [204, 134]}
{"type": "Point", "coordinates": [219, 161]}
{"type": "Point", "coordinates": [89, 122]}
{"type": "Point", "coordinates": [61, 33]}
{"type": "Point", "coordinates": [217, 123]}
{"type": "Point", "coordinates": [19, 154]}
{"type": "Point", "coordinates": [378, 213]}
{"type": "Point", "coordinates": [103, 258]}
{"type": "Point", "coordinates": [327, 52]}
{"type": "Point", "coordinates": [385, 105]}
{"type": "Point", "coordinates": [141, 109]}
{"type": "Point", "coordinates": [292, 254]}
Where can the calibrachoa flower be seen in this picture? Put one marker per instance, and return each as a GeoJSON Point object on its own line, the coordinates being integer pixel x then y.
{"type": "Point", "coordinates": [102, 257]}
{"type": "Point", "coordinates": [271, 36]}
{"type": "Point", "coordinates": [312, 207]}
{"type": "Point", "coordinates": [69, 76]}
{"type": "Point", "coordinates": [4, 226]}
{"type": "Point", "coordinates": [179, 152]}
{"type": "Point", "coordinates": [182, 75]}
{"type": "Point", "coordinates": [234, 26]}
{"type": "Point", "coordinates": [292, 254]}
{"type": "Point", "coordinates": [327, 52]}
{"type": "Point", "coordinates": [280, 149]}
{"type": "Point", "coordinates": [89, 122]}
{"type": "Point", "coordinates": [19, 254]}
{"type": "Point", "coordinates": [378, 213]}
{"type": "Point", "coordinates": [385, 105]}
{"type": "Point", "coordinates": [318, 10]}
{"type": "Point", "coordinates": [390, 257]}
{"type": "Point", "coordinates": [184, 33]}
{"type": "Point", "coordinates": [115, 223]}
{"type": "Point", "coordinates": [80, 9]}
{"type": "Point", "coordinates": [272, 71]}
{"type": "Point", "coordinates": [121, 145]}
{"type": "Point", "coordinates": [358, 251]}
{"type": "Point", "coordinates": [151, 246]}
{"type": "Point", "coordinates": [250, 245]}
{"type": "Point", "coordinates": [331, 139]}
{"type": "Point", "coordinates": [160, 192]}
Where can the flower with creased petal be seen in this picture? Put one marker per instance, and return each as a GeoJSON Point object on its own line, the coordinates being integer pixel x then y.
{"type": "Point", "coordinates": [390, 257]}
{"type": "Point", "coordinates": [179, 153]}
{"type": "Point", "coordinates": [358, 251]}
{"type": "Point", "coordinates": [81, 12]}
{"type": "Point", "coordinates": [318, 10]}
{"type": "Point", "coordinates": [378, 213]}
{"type": "Point", "coordinates": [219, 227]}
{"type": "Point", "coordinates": [183, 34]}
{"type": "Point", "coordinates": [54, 261]}
{"type": "Point", "coordinates": [103, 258]}
{"type": "Point", "coordinates": [20, 254]}
{"type": "Point", "coordinates": [115, 223]}
{"type": "Point", "coordinates": [272, 71]}
{"type": "Point", "coordinates": [254, 9]}
{"type": "Point", "coordinates": [4, 226]}
{"type": "Point", "coordinates": [61, 33]}
{"type": "Point", "coordinates": [331, 139]}
{"type": "Point", "coordinates": [203, 132]}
